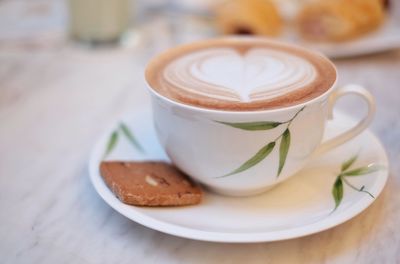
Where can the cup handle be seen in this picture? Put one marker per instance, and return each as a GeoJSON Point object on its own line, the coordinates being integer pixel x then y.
{"type": "Point", "coordinates": [357, 129]}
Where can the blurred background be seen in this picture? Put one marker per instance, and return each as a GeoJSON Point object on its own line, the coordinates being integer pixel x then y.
{"type": "Point", "coordinates": [162, 23]}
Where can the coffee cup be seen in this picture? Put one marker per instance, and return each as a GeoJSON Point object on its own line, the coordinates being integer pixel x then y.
{"type": "Point", "coordinates": [244, 135]}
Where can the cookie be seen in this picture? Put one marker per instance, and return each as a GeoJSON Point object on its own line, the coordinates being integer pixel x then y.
{"type": "Point", "coordinates": [151, 183]}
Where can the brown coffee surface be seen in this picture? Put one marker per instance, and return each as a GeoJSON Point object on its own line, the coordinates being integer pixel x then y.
{"type": "Point", "coordinates": [240, 74]}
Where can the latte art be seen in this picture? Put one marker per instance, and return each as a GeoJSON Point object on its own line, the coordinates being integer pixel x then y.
{"type": "Point", "coordinates": [240, 74]}
{"type": "Point", "coordinates": [226, 74]}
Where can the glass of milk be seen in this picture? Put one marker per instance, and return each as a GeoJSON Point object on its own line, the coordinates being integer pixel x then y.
{"type": "Point", "coordinates": [98, 21]}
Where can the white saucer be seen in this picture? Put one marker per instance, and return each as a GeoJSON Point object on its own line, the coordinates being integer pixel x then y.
{"type": "Point", "coordinates": [301, 206]}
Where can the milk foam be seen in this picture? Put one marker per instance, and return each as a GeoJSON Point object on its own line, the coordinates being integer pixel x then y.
{"type": "Point", "coordinates": [226, 74]}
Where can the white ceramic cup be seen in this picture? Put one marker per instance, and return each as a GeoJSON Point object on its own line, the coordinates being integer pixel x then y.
{"type": "Point", "coordinates": [242, 153]}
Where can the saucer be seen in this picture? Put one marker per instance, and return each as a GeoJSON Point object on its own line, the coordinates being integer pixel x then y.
{"type": "Point", "coordinates": [300, 206]}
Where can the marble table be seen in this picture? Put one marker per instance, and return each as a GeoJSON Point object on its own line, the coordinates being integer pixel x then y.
{"type": "Point", "coordinates": [56, 98]}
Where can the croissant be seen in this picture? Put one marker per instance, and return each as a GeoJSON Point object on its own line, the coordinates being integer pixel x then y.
{"type": "Point", "coordinates": [258, 17]}
{"type": "Point", "coordinates": [337, 20]}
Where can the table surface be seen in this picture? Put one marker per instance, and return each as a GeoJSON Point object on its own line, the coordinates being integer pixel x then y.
{"type": "Point", "coordinates": [56, 98]}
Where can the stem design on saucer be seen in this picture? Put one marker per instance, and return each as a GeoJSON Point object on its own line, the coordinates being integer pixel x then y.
{"type": "Point", "coordinates": [342, 178]}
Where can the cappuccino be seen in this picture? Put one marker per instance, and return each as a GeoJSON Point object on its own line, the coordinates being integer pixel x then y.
{"type": "Point", "coordinates": [240, 74]}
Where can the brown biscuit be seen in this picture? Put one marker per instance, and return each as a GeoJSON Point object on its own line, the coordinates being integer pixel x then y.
{"type": "Point", "coordinates": [152, 183]}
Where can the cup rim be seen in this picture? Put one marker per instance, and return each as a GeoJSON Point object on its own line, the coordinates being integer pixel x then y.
{"type": "Point", "coordinates": [243, 112]}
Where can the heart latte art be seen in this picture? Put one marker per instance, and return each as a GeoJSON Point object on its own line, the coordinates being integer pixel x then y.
{"type": "Point", "coordinates": [225, 74]}
{"type": "Point", "coordinates": [238, 74]}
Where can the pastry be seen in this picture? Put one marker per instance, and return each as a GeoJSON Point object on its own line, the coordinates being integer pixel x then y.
{"type": "Point", "coordinates": [152, 183]}
{"type": "Point", "coordinates": [255, 17]}
{"type": "Point", "coordinates": [337, 20]}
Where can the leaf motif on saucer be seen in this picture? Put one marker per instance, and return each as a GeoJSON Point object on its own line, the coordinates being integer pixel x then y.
{"type": "Point", "coordinates": [129, 135]}
{"type": "Point", "coordinates": [348, 163]}
{"type": "Point", "coordinates": [337, 188]}
{"type": "Point", "coordinates": [113, 140]}
{"type": "Point", "coordinates": [337, 191]}
{"type": "Point", "coordinates": [363, 170]}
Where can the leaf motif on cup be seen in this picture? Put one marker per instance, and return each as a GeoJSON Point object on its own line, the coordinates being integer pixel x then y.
{"type": "Point", "coordinates": [253, 126]}
{"type": "Point", "coordinates": [259, 156]}
{"type": "Point", "coordinates": [283, 149]}
{"type": "Point", "coordinates": [266, 150]}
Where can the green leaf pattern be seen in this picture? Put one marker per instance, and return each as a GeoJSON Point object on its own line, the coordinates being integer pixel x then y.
{"type": "Point", "coordinates": [283, 149]}
{"type": "Point", "coordinates": [267, 149]}
{"type": "Point", "coordinates": [363, 170]}
{"type": "Point", "coordinates": [337, 191]}
{"type": "Point", "coordinates": [112, 142]}
{"type": "Point", "coordinates": [127, 132]}
{"type": "Point", "coordinates": [259, 156]}
{"type": "Point", "coordinates": [337, 188]}
{"type": "Point", "coordinates": [253, 126]}
{"type": "Point", "coordinates": [347, 164]}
